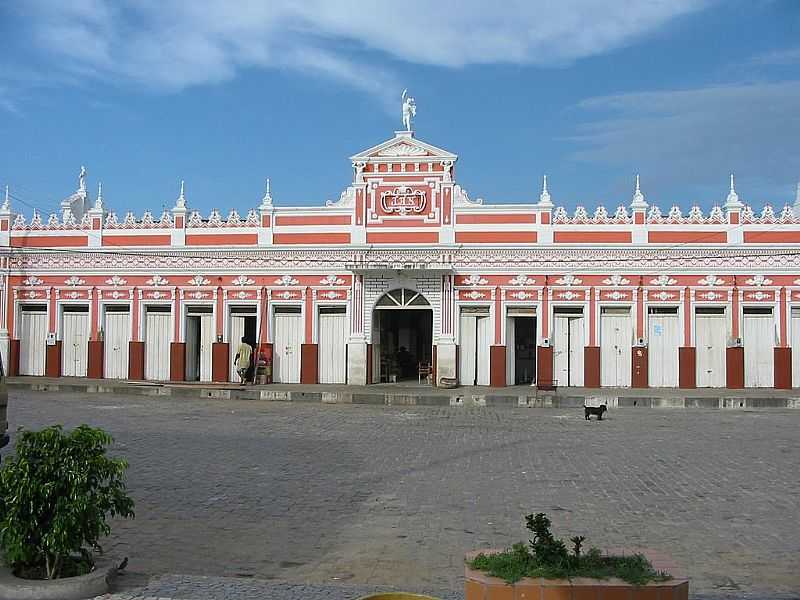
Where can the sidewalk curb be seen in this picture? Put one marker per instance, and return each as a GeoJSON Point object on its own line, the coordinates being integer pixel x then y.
{"type": "Point", "coordinates": [359, 395]}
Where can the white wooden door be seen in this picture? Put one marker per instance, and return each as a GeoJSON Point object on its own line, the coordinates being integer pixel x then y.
{"type": "Point", "coordinates": [117, 336]}
{"type": "Point", "coordinates": [156, 345]}
{"type": "Point", "coordinates": [32, 341]}
{"type": "Point", "coordinates": [234, 340]}
{"type": "Point", "coordinates": [759, 349]}
{"type": "Point", "coordinates": [332, 347]}
{"type": "Point", "coordinates": [467, 348]}
{"type": "Point", "coordinates": [796, 347]}
{"type": "Point", "coordinates": [511, 359]}
{"type": "Point", "coordinates": [568, 344]}
{"type": "Point", "coordinates": [484, 340]}
{"type": "Point", "coordinates": [286, 347]}
{"type": "Point", "coordinates": [74, 343]}
{"type": "Point", "coordinates": [615, 349]}
{"type": "Point", "coordinates": [206, 339]}
{"type": "Point", "coordinates": [663, 341]}
{"type": "Point", "coordinates": [711, 339]}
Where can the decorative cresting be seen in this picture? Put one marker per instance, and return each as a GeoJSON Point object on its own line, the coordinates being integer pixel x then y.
{"type": "Point", "coordinates": [116, 281]}
{"type": "Point", "coordinates": [286, 280]}
{"type": "Point", "coordinates": [521, 280]}
{"type": "Point", "coordinates": [758, 281]}
{"type": "Point", "coordinates": [403, 149]}
{"type": "Point", "coordinates": [74, 281]}
{"type": "Point", "coordinates": [616, 280]}
{"type": "Point", "coordinates": [663, 281]}
{"type": "Point", "coordinates": [243, 280]}
{"type": "Point", "coordinates": [474, 280]}
{"type": "Point", "coordinates": [711, 280]}
{"type": "Point", "coordinates": [403, 200]}
{"type": "Point", "coordinates": [402, 298]}
{"type": "Point", "coordinates": [332, 280]}
{"type": "Point", "coordinates": [157, 280]}
{"type": "Point", "coordinates": [568, 280]}
{"type": "Point", "coordinates": [32, 281]}
{"type": "Point", "coordinates": [198, 280]}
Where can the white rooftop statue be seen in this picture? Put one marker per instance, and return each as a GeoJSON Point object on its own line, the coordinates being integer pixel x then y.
{"type": "Point", "coordinates": [181, 201]}
{"type": "Point", "coordinates": [82, 180]}
{"type": "Point", "coordinates": [409, 109]}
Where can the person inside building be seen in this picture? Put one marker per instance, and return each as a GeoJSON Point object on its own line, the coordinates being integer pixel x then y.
{"type": "Point", "coordinates": [242, 360]}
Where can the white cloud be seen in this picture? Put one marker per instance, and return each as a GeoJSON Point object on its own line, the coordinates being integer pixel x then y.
{"type": "Point", "coordinates": [173, 44]}
{"type": "Point", "coordinates": [697, 136]}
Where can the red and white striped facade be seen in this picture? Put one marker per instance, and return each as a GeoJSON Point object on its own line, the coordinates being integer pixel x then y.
{"type": "Point", "coordinates": [695, 288]}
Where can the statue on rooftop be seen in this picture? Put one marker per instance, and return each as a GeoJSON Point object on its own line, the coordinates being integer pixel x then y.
{"type": "Point", "coordinates": [82, 180]}
{"type": "Point", "coordinates": [409, 110]}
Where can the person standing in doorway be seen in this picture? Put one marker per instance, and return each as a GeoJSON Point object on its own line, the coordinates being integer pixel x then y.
{"type": "Point", "coordinates": [242, 360]}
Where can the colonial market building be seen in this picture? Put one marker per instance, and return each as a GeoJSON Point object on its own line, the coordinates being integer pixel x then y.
{"type": "Point", "coordinates": [405, 270]}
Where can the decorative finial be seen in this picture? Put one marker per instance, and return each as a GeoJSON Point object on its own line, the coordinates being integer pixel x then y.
{"type": "Point", "coordinates": [99, 202]}
{"type": "Point", "coordinates": [267, 199]}
{"type": "Point", "coordinates": [7, 199]}
{"type": "Point", "coordinates": [638, 197]}
{"type": "Point", "coordinates": [733, 198]}
{"type": "Point", "coordinates": [544, 197]}
{"type": "Point", "coordinates": [409, 109]}
{"type": "Point", "coordinates": [181, 202]}
{"type": "Point", "coordinates": [82, 180]}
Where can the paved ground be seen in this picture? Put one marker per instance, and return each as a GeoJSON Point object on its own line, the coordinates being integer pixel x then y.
{"type": "Point", "coordinates": [358, 495]}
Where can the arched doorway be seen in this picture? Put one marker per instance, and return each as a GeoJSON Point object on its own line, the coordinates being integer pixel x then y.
{"type": "Point", "coordinates": [402, 336]}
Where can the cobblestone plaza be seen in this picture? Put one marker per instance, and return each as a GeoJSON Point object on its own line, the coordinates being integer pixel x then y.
{"type": "Point", "coordinates": [359, 495]}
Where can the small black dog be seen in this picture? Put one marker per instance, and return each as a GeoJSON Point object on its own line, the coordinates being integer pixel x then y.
{"type": "Point", "coordinates": [595, 410]}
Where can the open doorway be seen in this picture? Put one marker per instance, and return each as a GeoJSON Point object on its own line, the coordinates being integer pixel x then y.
{"type": "Point", "coordinates": [403, 336]}
{"type": "Point", "coordinates": [199, 337]}
{"type": "Point", "coordinates": [243, 324]}
{"type": "Point", "coordinates": [521, 346]}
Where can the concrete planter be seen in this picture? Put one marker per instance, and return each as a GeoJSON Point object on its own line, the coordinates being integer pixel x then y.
{"type": "Point", "coordinates": [479, 586]}
{"type": "Point", "coordinates": [70, 588]}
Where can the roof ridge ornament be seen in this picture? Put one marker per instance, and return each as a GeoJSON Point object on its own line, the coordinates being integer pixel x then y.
{"type": "Point", "coordinates": [544, 197]}
{"type": "Point", "coordinates": [733, 198]}
{"type": "Point", "coordinates": [266, 201]}
{"type": "Point", "coordinates": [181, 201]}
{"type": "Point", "coordinates": [638, 197]}
{"type": "Point", "coordinates": [98, 204]}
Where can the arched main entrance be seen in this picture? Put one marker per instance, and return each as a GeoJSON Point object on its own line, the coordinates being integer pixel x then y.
{"type": "Point", "coordinates": [402, 336]}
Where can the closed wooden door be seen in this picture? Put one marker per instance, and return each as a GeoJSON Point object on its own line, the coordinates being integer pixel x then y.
{"type": "Point", "coordinates": [332, 345]}
{"type": "Point", "coordinates": [286, 347]}
{"type": "Point", "coordinates": [663, 341]}
{"type": "Point", "coordinates": [759, 349]}
{"type": "Point", "coordinates": [32, 340]}
{"type": "Point", "coordinates": [616, 339]}
{"type": "Point", "coordinates": [74, 342]}
{"type": "Point", "coordinates": [117, 336]}
{"type": "Point", "coordinates": [156, 345]}
{"type": "Point", "coordinates": [711, 337]}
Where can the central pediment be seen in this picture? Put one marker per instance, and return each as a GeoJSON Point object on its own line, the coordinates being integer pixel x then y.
{"type": "Point", "coordinates": [403, 145]}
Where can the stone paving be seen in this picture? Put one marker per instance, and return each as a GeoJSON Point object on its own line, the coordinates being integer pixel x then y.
{"type": "Point", "coordinates": [342, 498]}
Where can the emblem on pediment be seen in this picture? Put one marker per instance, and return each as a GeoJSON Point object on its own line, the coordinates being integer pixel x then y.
{"type": "Point", "coordinates": [711, 280]}
{"type": "Point", "coordinates": [759, 295]}
{"type": "Point", "coordinates": [243, 280]}
{"type": "Point", "coordinates": [569, 295]}
{"type": "Point", "coordinates": [663, 280]}
{"type": "Point", "coordinates": [616, 280]}
{"type": "Point", "coordinates": [522, 280]}
{"type": "Point", "coordinates": [198, 280]}
{"type": "Point", "coordinates": [198, 295]}
{"type": "Point", "coordinates": [330, 295]}
{"type": "Point", "coordinates": [115, 295]}
{"type": "Point", "coordinates": [116, 280]}
{"type": "Point", "coordinates": [33, 280]}
{"type": "Point", "coordinates": [241, 295]}
{"type": "Point", "coordinates": [663, 295]}
{"type": "Point", "coordinates": [711, 296]}
{"type": "Point", "coordinates": [158, 295]}
{"type": "Point", "coordinates": [403, 200]}
{"type": "Point", "coordinates": [156, 281]}
{"type": "Point", "coordinates": [31, 294]}
{"type": "Point", "coordinates": [286, 280]}
{"type": "Point", "coordinates": [758, 281]}
{"type": "Point", "coordinates": [520, 295]}
{"type": "Point", "coordinates": [403, 149]}
{"type": "Point", "coordinates": [475, 294]}
{"type": "Point", "coordinates": [73, 281]}
{"type": "Point", "coordinates": [286, 295]}
{"type": "Point", "coordinates": [569, 280]}
{"type": "Point", "coordinates": [331, 280]}
{"type": "Point", "coordinates": [617, 295]}
{"type": "Point", "coordinates": [474, 280]}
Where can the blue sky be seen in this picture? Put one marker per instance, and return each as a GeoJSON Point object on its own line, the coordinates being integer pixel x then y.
{"type": "Point", "coordinates": [223, 94]}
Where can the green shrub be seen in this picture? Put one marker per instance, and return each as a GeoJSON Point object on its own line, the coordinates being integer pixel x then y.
{"type": "Point", "coordinates": [56, 494]}
{"type": "Point", "coordinates": [545, 556]}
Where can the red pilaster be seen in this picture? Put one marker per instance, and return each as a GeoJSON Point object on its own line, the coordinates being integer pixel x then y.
{"type": "Point", "coordinates": [497, 366]}
{"type": "Point", "coordinates": [219, 362]}
{"type": "Point", "coordinates": [687, 327]}
{"type": "Point", "coordinates": [784, 309]}
{"type": "Point", "coordinates": [135, 318]}
{"type": "Point", "coordinates": [591, 366]}
{"type": "Point", "coordinates": [498, 321]}
{"type": "Point", "coordinates": [735, 312]}
{"type": "Point", "coordinates": [13, 357]}
{"type": "Point", "coordinates": [593, 326]}
{"type": "Point", "coordinates": [640, 313]}
{"type": "Point", "coordinates": [783, 368]}
{"type": "Point", "coordinates": [369, 363]}
{"type": "Point", "coordinates": [545, 317]}
{"type": "Point", "coordinates": [136, 361]}
{"type": "Point", "coordinates": [309, 363]}
{"type": "Point", "coordinates": [734, 368]}
{"type": "Point", "coordinates": [95, 321]}
{"type": "Point", "coordinates": [177, 361]}
{"type": "Point", "coordinates": [544, 367]}
{"type": "Point", "coordinates": [94, 367]}
{"type": "Point", "coordinates": [639, 373]}
{"type": "Point", "coordinates": [52, 360]}
{"type": "Point", "coordinates": [687, 367]}
{"type": "Point", "coordinates": [308, 313]}
{"type": "Point", "coordinates": [220, 322]}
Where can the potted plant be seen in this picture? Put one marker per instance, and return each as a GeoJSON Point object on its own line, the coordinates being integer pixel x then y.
{"type": "Point", "coordinates": [545, 567]}
{"type": "Point", "coordinates": [56, 495]}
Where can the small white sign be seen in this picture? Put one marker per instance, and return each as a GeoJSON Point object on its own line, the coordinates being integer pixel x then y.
{"type": "Point", "coordinates": [51, 339]}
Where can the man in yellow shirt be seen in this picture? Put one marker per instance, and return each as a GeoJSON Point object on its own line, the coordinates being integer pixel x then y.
{"type": "Point", "coordinates": [242, 360]}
